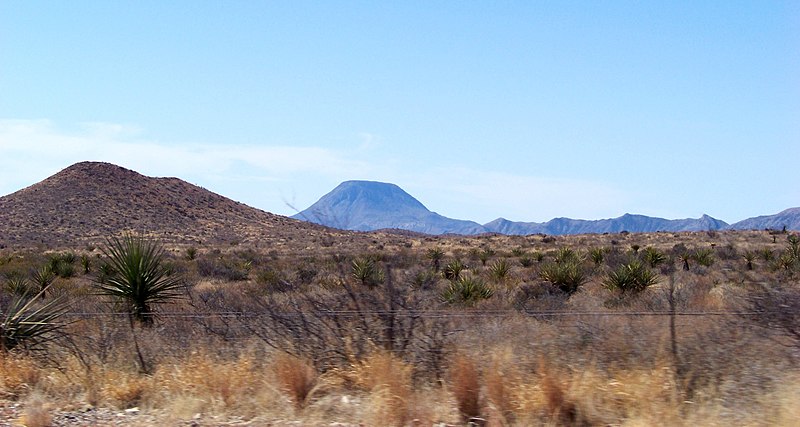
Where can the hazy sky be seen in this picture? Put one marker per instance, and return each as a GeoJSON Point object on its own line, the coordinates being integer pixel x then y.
{"type": "Point", "coordinates": [523, 109]}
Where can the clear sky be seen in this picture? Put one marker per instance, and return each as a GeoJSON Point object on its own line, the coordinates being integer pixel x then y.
{"type": "Point", "coordinates": [527, 110]}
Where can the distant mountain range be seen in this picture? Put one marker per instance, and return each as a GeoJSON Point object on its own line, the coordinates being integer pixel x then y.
{"type": "Point", "coordinates": [90, 201]}
{"type": "Point", "coordinates": [368, 205]}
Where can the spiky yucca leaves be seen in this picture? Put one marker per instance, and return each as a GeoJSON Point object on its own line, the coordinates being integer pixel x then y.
{"type": "Point", "coordinates": [367, 271]}
{"type": "Point", "coordinates": [43, 277]}
{"type": "Point", "coordinates": [452, 271]}
{"type": "Point", "coordinates": [749, 257]}
{"type": "Point", "coordinates": [29, 323]}
{"type": "Point", "coordinates": [467, 291]}
{"type": "Point", "coordinates": [653, 257]}
{"type": "Point", "coordinates": [631, 277]}
{"type": "Point", "coordinates": [704, 257]}
{"type": "Point", "coordinates": [499, 270]}
{"type": "Point", "coordinates": [597, 255]}
{"type": "Point", "coordinates": [435, 255]}
{"type": "Point", "coordinates": [567, 274]}
{"type": "Point", "coordinates": [136, 276]}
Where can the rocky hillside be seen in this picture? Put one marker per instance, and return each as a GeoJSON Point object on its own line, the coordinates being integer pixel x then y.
{"type": "Point", "coordinates": [89, 201]}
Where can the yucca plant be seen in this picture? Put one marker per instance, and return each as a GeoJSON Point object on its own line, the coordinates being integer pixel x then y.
{"type": "Point", "coordinates": [597, 255]}
{"type": "Point", "coordinates": [366, 271]}
{"type": "Point", "coordinates": [704, 257]}
{"type": "Point", "coordinates": [452, 271]}
{"type": "Point", "coordinates": [43, 277]}
{"type": "Point", "coordinates": [632, 277]}
{"type": "Point", "coordinates": [435, 255]}
{"type": "Point", "coordinates": [17, 284]}
{"type": "Point", "coordinates": [136, 276]}
{"type": "Point", "coordinates": [567, 275]}
{"type": "Point", "coordinates": [749, 257]}
{"type": "Point", "coordinates": [86, 264]}
{"type": "Point", "coordinates": [29, 323]}
{"type": "Point", "coordinates": [466, 290]}
{"type": "Point", "coordinates": [499, 269]}
{"type": "Point", "coordinates": [485, 254]}
{"type": "Point", "coordinates": [653, 257]}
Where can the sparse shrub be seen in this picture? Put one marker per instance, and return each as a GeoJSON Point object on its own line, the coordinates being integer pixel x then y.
{"type": "Point", "coordinates": [137, 276]}
{"type": "Point", "coordinates": [306, 273]}
{"type": "Point", "coordinates": [191, 253]}
{"type": "Point", "coordinates": [537, 256]}
{"type": "Point", "coordinates": [452, 271]}
{"type": "Point", "coordinates": [467, 291]}
{"type": "Point", "coordinates": [632, 277]}
{"type": "Point", "coordinates": [526, 261]}
{"type": "Point", "coordinates": [566, 275]}
{"type": "Point", "coordinates": [223, 269]}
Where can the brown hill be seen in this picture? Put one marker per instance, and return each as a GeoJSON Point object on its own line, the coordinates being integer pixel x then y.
{"type": "Point", "coordinates": [89, 201]}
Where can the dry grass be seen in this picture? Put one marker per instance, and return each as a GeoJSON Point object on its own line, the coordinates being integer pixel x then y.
{"type": "Point", "coordinates": [387, 379]}
{"type": "Point", "coordinates": [296, 377]}
{"type": "Point", "coordinates": [466, 387]}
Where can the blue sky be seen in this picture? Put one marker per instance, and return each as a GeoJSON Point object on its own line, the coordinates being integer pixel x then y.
{"type": "Point", "coordinates": [523, 109]}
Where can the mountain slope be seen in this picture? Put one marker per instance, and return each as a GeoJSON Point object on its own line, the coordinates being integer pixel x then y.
{"type": "Point", "coordinates": [89, 201]}
{"type": "Point", "coordinates": [369, 205]}
{"type": "Point", "coordinates": [789, 218]}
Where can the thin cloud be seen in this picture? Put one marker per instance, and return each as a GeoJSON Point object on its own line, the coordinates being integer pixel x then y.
{"type": "Point", "coordinates": [35, 149]}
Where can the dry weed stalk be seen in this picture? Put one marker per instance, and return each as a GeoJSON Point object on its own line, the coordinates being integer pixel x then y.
{"type": "Point", "coordinates": [36, 412]}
